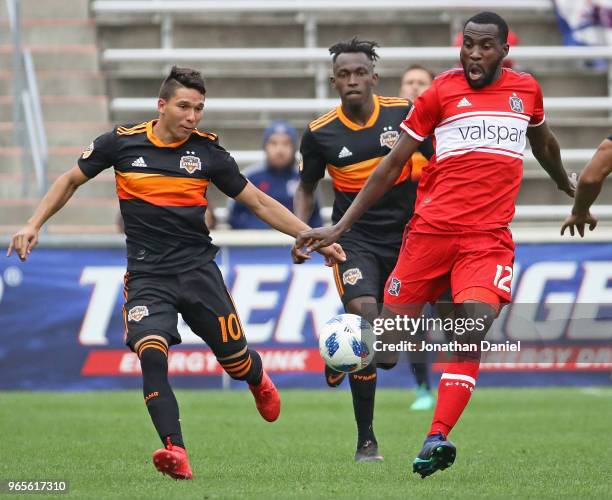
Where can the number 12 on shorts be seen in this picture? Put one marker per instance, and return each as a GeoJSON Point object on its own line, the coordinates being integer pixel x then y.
{"type": "Point", "coordinates": [503, 282]}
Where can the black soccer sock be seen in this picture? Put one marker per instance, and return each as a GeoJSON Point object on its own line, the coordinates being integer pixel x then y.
{"type": "Point", "coordinates": [421, 374]}
{"type": "Point", "coordinates": [247, 367]}
{"type": "Point", "coordinates": [363, 390]}
{"type": "Point", "coordinates": [159, 398]}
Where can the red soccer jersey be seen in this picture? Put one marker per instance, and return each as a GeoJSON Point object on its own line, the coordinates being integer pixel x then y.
{"type": "Point", "coordinates": [472, 181]}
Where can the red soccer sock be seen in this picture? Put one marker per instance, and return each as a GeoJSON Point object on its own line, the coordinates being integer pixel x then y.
{"type": "Point", "coordinates": [456, 387]}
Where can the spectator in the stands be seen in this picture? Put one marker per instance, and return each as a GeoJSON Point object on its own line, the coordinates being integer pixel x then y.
{"type": "Point", "coordinates": [277, 176]}
{"type": "Point", "coordinates": [415, 80]}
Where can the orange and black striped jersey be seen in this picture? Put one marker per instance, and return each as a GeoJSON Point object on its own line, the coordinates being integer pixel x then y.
{"type": "Point", "coordinates": [162, 193]}
{"type": "Point", "coordinates": [350, 153]}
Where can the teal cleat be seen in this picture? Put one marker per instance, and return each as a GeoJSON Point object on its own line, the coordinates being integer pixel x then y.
{"type": "Point", "coordinates": [437, 454]}
{"type": "Point", "coordinates": [424, 399]}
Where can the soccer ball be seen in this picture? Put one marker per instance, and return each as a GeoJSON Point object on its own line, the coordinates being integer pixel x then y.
{"type": "Point", "coordinates": [347, 343]}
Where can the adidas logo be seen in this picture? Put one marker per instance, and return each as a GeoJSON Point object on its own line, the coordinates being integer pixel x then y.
{"type": "Point", "coordinates": [139, 162]}
{"type": "Point", "coordinates": [344, 152]}
{"type": "Point", "coordinates": [463, 103]}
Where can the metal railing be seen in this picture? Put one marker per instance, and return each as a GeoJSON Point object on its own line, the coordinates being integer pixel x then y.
{"type": "Point", "coordinates": [310, 6]}
{"type": "Point", "coordinates": [29, 131]}
{"type": "Point", "coordinates": [321, 55]}
{"type": "Point", "coordinates": [299, 105]}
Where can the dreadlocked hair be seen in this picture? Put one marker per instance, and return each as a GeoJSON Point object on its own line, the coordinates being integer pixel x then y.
{"type": "Point", "coordinates": [366, 47]}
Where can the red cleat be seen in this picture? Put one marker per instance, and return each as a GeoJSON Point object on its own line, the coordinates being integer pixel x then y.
{"type": "Point", "coordinates": [267, 398]}
{"type": "Point", "coordinates": [173, 461]}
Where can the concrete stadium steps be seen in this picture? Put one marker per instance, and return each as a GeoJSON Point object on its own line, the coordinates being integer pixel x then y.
{"type": "Point", "coordinates": [404, 29]}
{"type": "Point", "coordinates": [51, 9]}
{"type": "Point", "coordinates": [81, 210]}
{"type": "Point", "coordinates": [57, 83]}
{"type": "Point", "coordinates": [64, 107]}
{"type": "Point", "coordinates": [188, 35]}
{"type": "Point", "coordinates": [74, 133]}
{"type": "Point", "coordinates": [103, 186]}
{"type": "Point", "coordinates": [57, 57]}
{"type": "Point", "coordinates": [256, 86]}
{"type": "Point", "coordinates": [580, 133]}
{"type": "Point", "coordinates": [300, 83]}
{"type": "Point", "coordinates": [47, 31]}
{"type": "Point", "coordinates": [542, 191]}
{"type": "Point", "coordinates": [60, 159]}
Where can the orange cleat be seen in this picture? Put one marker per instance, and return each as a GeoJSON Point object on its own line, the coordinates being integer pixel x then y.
{"type": "Point", "coordinates": [267, 398]}
{"type": "Point", "coordinates": [173, 461]}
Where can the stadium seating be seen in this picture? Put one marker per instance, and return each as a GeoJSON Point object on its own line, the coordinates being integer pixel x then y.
{"type": "Point", "coordinates": [262, 60]}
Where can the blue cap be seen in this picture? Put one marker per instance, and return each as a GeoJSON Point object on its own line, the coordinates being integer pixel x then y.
{"type": "Point", "coordinates": [280, 127]}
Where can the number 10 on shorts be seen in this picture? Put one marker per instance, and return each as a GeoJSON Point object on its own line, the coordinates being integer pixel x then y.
{"type": "Point", "coordinates": [501, 281]}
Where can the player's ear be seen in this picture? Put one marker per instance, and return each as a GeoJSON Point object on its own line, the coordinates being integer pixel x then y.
{"type": "Point", "coordinates": [375, 79]}
{"type": "Point", "coordinates": [161, 105]}
{"type": "Point", "coordinates": [505, 49]}
{"type": "Point", "coordinates": [332, 82]}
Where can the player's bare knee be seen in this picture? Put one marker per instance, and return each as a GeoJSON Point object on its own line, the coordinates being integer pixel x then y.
{"type": "Point", "coordinates": [365, 306]}
{"type": "Point", "coordinates": [386, 359]}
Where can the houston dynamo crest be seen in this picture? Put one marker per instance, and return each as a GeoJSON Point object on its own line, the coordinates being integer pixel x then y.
{"type": "Point", "coordinates": [190, 162]}
{"type": "Point", "coordinates": [389, 137]}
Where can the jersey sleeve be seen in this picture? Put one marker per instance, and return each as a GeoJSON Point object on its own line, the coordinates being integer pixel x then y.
{"type": "Point", "coordinates": [423, 115]}
{"type": "Point", "coordinates": [225, 173]}
{"type": "Point", "coordinates": [98, 155]}
{"type": "Point", "coordinates": [312, 163]}
{"type": "Point", "coordinates": [537, 118]}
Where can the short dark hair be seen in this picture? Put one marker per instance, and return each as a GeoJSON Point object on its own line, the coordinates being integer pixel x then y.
{"type": "Point", "coordinates": [181, 77]}
{"type": "Point", "coordinates": [431, 74]}
{"type": "Point", "coordinates": [355, 45]}
{"type": "Point", "coordinates": [491, 18]}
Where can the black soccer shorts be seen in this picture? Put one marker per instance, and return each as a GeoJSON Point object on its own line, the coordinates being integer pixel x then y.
{"type": "Point", "coordinates": [365, 270]}
{"type": "Point", "coordinates": [152, 304]}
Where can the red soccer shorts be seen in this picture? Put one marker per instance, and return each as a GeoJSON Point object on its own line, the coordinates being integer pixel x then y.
{"type": "Point", "coordinates": [429, 264]}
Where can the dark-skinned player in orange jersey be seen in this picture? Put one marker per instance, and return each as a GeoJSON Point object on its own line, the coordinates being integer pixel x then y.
{"type": "Point", "coordinates": [480, 116]}
{"type": "Point", "coordinates": [162, 170]}
{"type": "Point", "coordinates": [349, 142]}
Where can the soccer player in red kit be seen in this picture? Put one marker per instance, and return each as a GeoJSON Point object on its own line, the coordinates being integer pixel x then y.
{"type": "Point", "coordinates": [480, 117]}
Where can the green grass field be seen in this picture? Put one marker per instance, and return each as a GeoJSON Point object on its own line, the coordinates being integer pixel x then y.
{"type": "Point", "coordinates": [512, 443]}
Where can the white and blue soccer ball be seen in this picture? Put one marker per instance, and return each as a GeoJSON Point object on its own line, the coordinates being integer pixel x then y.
{"type": "Point", "coordinates": [346, 343]}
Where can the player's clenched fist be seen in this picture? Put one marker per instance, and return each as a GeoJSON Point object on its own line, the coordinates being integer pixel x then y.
{"type": "Point", "coordinates": [23, 242]}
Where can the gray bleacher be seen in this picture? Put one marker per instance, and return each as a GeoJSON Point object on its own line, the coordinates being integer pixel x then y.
{"type": "Point", "coordinates": [228, 42]}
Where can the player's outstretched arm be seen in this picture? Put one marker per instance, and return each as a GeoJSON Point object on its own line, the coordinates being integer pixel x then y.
{"type": "Point", "coordinates": [280, 218]}
{"type": "Point", "coordinates": [61, 191]}
{"type": "Point", "coordinates": [590, 183]}
{"type": "Point", "coordinates": [304, 200]}
{"type": "Point", "coordinates": [546, 150]}
{"type": "Point", "coordinates": [381, 180]}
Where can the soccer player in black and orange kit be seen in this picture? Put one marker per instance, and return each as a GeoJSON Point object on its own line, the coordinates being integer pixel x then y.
{"type": "Point", "coordinates": [162, 169]}
{"type": "Point", "coordinates": [350, 141]}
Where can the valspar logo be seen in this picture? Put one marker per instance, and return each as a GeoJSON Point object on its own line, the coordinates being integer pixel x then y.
{"type": "Point", "coordinates": [490, 132]}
